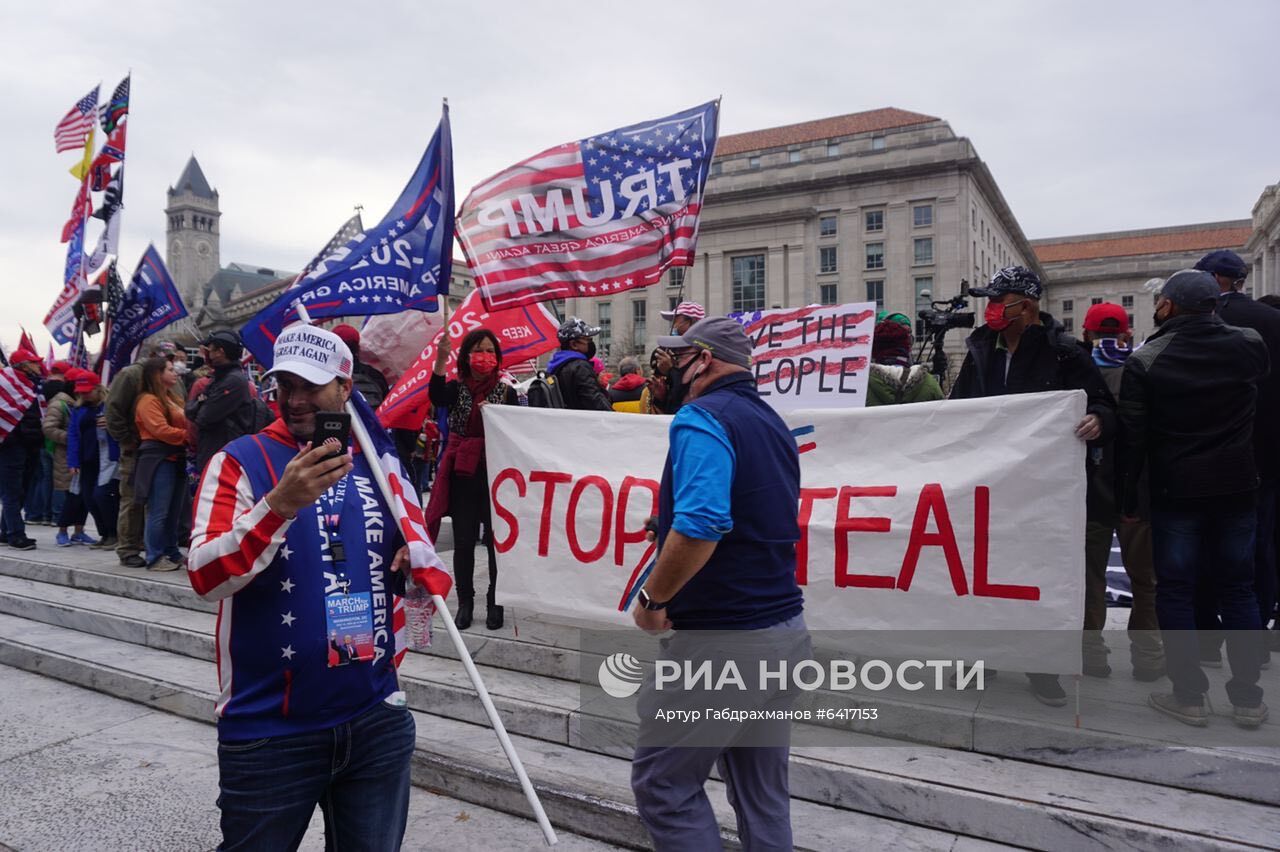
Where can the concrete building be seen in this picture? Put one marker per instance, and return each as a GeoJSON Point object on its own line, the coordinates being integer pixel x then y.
{"type": "Point", "coordinates": [1264, 243]}
{"type": "Point", "coordinates": [887, 206]}
{"type": "Point", "coordinates": [1116, 267]}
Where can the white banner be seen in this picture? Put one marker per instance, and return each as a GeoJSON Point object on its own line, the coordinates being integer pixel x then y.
{"type": "Point", "coordinates": [811, 358]}
{"type": "Point", "coordinates": [953, 515]}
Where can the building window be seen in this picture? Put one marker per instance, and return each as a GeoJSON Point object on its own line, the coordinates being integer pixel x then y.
{"type": "Point", "coordinates": [1126, 302]}
{"type": "Point", "coordinates": [675, 277]}
{"type": "Point", "coordinates": [833, 149]}
{"type": "Point", "coordinates": [922, 215]}
{"type": "Point", "coordinates": [557, 308]}
{"type": "Point", "coordinates": [923, 251]}
{"type": "Point", "coordinates": [877, 143]}
{"type": "Point", "coordinates": [1095, 301]}
{"type": "Point", "coordinates": [1068, 305]}
{"type": "Point", "coordinates": [604, 319]}
{"type": "Point", "coordinates": [639, 323]}
{"type": "Point", "coordinates": [794, 156]}
{"type": "Point", "coordinates": [973, 218]}
{"type": "Point", "coordinates": [1130, 320]}
{"type": "Point", "coordinates": [716, 168]}
{"type": "Point", "coordinates": [828, 294]}
{"type": "Point", "coordinates": [875, 255]}
{"type": "Point", "coordinates": [827, 259]}
{"type": "Point", "coordinates": [827, 226]}
{"type": "Point", "coordinates": [875, 293]}
{"type": "Point", "coordinates": [1069, 325]}
{"type": "Point", "coordinates": [875, 220]}
{"type": "Point", "coordinates": [748, 282]}
{"type": "Point", "coordinates": [753, 163]}
{"type": "Point", "coordinates": [924, 286]}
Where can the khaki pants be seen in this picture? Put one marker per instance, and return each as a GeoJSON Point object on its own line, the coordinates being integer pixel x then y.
{"type": "Point", "coordinates": [1145, 650]}
{"type": "Point", "coordinates": [132, 517]}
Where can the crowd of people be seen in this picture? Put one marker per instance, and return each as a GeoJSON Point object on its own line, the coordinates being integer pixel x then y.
{"type": "Point", "coordinates": [1181, 467]}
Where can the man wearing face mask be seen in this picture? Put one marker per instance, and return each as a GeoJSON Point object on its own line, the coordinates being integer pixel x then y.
{"type": "Point", "coordinates": [1187, 401]}
{"type": "Point", "coordinates": [1021, 349]}
{"type": "Point", "coordinates": [573, 371]}
{"type": "Point", "coordinates": [665, 392]}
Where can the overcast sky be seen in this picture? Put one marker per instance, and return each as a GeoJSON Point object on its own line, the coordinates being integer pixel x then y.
{"type": "Point", "coordinates": [1093, 116]}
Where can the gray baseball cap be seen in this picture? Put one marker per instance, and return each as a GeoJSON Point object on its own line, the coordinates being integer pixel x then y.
{"type": "Point", "coordinates": [1191, 289]}
{"type": "Point", "coordinates": [724, 338]}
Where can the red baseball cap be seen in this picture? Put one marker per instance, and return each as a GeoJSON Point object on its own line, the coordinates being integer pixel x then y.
{"type": "Point", "coordinates": [85, 380]}
{"type": "Point", "coordinates": [61, 367]}
{"type": "Point", "coordinates": [349, 334]}
{"type": "Point", "coordinates": [1107, 317]}
{"type": "Point", "coordinates": [24, 356]}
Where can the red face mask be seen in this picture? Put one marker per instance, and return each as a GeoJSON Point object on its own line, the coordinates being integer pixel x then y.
{"type": "Point", "coordinates": [483, 363]}
{"type": "Point", "coordinates": [995, 317]}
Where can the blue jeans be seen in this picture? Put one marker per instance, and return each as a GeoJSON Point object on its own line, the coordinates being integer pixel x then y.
{"type": "Point", "coordinates": [164, 502]}
{"type": "Point", "coordinates": [357, 772]}
{"type": "Point", "coordinates": [40, 494]}
{"type": "Point", "coordinates": [18, 465]}
{"type": "Point", "coordinates": [1211, 545]}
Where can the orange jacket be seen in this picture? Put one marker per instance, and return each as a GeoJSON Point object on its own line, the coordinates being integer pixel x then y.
{"type": "Point", "coordinates": [152, 425]}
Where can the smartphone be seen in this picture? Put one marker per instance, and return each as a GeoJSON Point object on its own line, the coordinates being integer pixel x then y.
{"type": "Point", "coordinates": [333, 424]}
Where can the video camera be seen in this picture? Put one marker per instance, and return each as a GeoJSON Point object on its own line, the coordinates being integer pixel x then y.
{"type": "Point", "coordinates": [933, 325]}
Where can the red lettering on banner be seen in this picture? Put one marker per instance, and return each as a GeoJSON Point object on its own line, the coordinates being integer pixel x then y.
{"type": "Point", "coordinates": [552, 479]}
{"type": "Point", "coordinates": [571, 522]}
{"type": "Point", "coordinates": [981, 536]}
{"type": "Point", "coordinates": [933, 502]}
{"type": "Point", "coordinates": [846, 524]}
{"type": "Point", "coordinates": [807, 498]}
{"type": "Point", "coordinates": [623, 536]}
{"type": "Point", "coordinates": [502, 545]}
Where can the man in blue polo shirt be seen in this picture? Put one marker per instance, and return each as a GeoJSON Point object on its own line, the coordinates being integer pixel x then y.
{"type": "Point", "coordinates": [727, 533]}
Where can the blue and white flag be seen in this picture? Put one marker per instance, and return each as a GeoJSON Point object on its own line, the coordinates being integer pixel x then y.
{"type": "Point", "coordinates": [61, 320]}
{"type": "Point", "coordinates": [150, 303]}
{"type": "Point", "coordinates": [401, 263]}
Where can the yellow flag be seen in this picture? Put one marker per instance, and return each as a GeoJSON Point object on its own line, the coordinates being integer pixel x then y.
{"type": "Point", "coordinates": [80, 169]}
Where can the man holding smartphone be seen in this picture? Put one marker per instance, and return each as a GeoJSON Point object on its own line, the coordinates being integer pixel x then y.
{"type": "Point", "coordinates": [297, 545]}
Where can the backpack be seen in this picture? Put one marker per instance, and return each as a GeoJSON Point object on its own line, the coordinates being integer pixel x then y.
{"type": "Point", "coordinates": [544, 392]}
{"type": "Point", "coordinates": [262, 416]}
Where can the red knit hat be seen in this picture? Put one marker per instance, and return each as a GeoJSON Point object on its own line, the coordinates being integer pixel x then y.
{"type": "Point", "coordinates": [349, 333]}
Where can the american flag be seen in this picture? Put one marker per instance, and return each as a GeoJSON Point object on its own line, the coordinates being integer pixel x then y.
{"type": "Point", "coordinates": [16, 395]}
{"type": "Point", "coordinates": [350, 229]}
{"type": "Point", "coordinates": [74, 128]}
{"type": "Point", "coordinates": [594, 217]}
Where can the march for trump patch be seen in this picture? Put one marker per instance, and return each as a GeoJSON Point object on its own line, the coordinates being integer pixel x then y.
{"type": "Point", "coordinates": [349, 619]}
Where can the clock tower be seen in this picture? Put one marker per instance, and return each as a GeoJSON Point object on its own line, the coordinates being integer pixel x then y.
{"type": "Point", "coordinates": [192, 234]}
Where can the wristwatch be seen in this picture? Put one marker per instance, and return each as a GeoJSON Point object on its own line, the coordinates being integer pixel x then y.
{"type": "Point", "coordinates": [649, 603]}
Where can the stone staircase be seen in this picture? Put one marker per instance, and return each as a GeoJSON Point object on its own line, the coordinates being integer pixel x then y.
{"type": "Point", "coordinates": [982, 770]}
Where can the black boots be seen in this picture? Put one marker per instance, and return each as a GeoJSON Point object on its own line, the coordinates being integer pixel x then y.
{"type": "Point", "coordinates": [463, 618]}
{"type": "Point", "coordinates": [493, 618]}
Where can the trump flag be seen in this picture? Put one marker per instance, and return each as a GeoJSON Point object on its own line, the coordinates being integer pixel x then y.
{"type": "Point", "coordinates": [150, 303]}
{"type": "Point", "coordinates": [401, 263]}
{"type": "Point", "coordinates": [594, 217]}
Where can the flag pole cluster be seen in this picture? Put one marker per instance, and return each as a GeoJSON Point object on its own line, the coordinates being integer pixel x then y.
{"type": "Point", "coordinates": [98, 173]}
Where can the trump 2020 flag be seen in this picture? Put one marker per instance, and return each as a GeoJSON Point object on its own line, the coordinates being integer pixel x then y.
{"type": "Point", "coordinates": [401, 263]}
{"type": "Point", "coordinates": [594, 217]}
{"type": "Point", "coordinates": [150, 303]}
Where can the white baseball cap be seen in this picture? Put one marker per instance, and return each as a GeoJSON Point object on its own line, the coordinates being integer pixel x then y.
{"type": "Point", "coordinates": [312, 353]}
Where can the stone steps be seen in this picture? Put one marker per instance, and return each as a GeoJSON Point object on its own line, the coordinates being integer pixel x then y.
{"type": "Point", "coordinates": [953, 791]}
{"type": "Point", "coordinates": [585, 792]}
{"type": "Point", "coordinates": [1120, 736]}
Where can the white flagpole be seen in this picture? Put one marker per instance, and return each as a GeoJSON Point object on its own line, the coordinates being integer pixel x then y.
{"type": "Point", "coordinates": [366, 447]}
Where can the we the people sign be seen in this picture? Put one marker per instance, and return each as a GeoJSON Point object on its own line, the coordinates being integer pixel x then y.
{"type": "Point", "coordinates": [814, 357]}
{"type": "Point", "coordinates": [953, 515]}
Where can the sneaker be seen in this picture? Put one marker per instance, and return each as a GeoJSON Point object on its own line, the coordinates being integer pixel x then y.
{"type": "Point", "coordinates": [1148, 675]}
{"type": "Point", "coordinates": [163, 564]}
{"type": "Point", "coordinates": [22, 543]}
{"type": "Point", "coordinates": [1047, 690]}
{"type": "Point", "coordinates": [1097, 669]}
{"type": "Point", "coordinates": [1249, 717]}
{"type": "Point", "coordinates": [62, 540]}
{"type": "Point", "coordinates": [84, 538]}
{"type": "Point", "coordinates": [133, 561]}
{"type": "Point", "coordinates": [1189, 714]}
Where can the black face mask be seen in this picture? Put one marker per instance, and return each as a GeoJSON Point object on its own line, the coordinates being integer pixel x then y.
{"type": "Point", "coordinates": [591, 350]}
{"type": "Point", "coordinates": [677, 390]}
{"type": "Point", "coordinates": [53, 387]}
